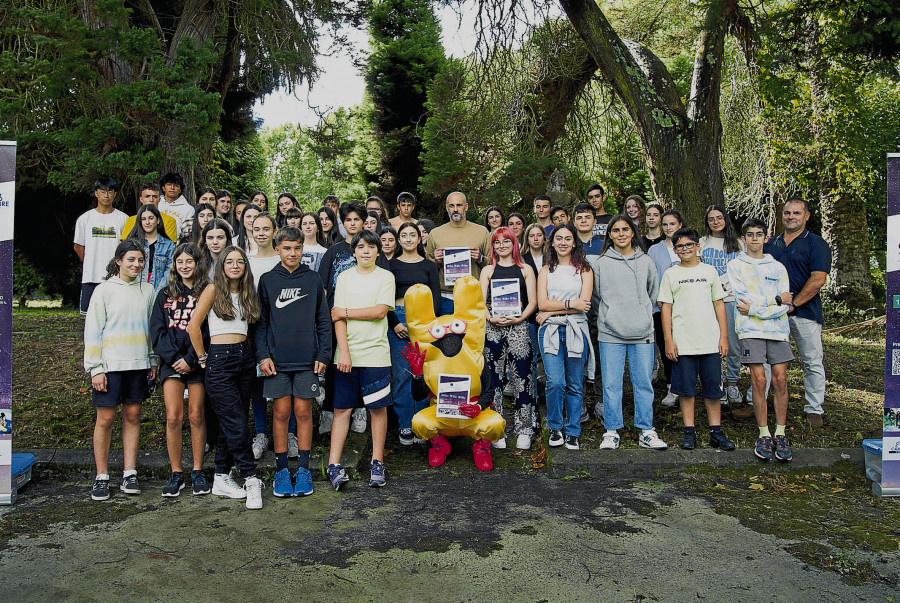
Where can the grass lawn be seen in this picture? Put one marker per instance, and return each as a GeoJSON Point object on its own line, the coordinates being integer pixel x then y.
{"type": "Point", "coordinates": [52, 404]}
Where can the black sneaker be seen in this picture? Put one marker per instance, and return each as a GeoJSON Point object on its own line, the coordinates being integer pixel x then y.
{"type": "Point", "coordinates": [717, 439]}
{"type": "Point", "coordinates": [100, 490]}
{"type": "Point", "coordinates": [572, 442]}
{"type": "Point", "coordinates": [200, 485]}
{"type": "Point", "coordinates": [130, 485]}
{"type": "Point", "coordinates": [782, 450]}
{"type": "Point", "coordinates": [689, 441]}
{"type": "Point", "coordinates": [174, 486]}
{"type": "Point", "coordinates": [556, 438]}
{"type": "Point", "coordinates": [764, 448]}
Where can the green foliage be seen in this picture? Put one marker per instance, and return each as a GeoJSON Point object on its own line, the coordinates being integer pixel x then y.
{"type": "Point", "coordinates": [239, 166]}
{"type": "Point", "coordinates": [27, 280]}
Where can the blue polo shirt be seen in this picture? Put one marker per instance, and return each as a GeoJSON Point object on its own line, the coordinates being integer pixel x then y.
{"type": "Point", "coordinates": [594, 246]}
{"type": "Point", "coordinates": [806, 254]}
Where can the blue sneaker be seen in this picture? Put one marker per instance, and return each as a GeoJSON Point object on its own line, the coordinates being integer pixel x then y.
{"type": "Point", "coordinates": [282, 486]}
{"type": "Point", "coordinates": [337, 476]}
{"type": "Point", "coordinates": [303, 482]}
{"type": "Point", "coordinates": [377, 477]}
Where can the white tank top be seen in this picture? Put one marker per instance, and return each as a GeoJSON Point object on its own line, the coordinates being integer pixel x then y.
{"type": "Point", "coordinates": [563, 283]}
{"type": "Point", "coordinates": [218, 326]}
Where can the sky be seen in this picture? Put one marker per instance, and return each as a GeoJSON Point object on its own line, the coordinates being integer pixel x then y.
{"type": "Point", "coordinates": [341, 84]}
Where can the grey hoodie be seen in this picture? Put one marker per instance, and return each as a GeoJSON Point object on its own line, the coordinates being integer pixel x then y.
{"type": "Point", "coordinates": [626, 288]}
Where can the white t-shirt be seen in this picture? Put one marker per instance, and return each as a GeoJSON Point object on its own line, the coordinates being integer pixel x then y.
{"type": "Point", "coordinates": [182, 211]}
{"type": "Point", "coordinates": [259, 266]}
{"type": "Point", "coordinates": [692, 291]}
{"type": "Point", "coordinates": [99, 234]}
{"type": "Point", "coordinates": [312, 256]}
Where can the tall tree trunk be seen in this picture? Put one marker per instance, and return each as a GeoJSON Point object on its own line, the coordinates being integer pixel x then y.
{"type": "Point", "coordinates": [681, 144]}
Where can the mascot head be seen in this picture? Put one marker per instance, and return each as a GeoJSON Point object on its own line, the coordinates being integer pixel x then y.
{"type": "Point", "coordinates": [453, 343]}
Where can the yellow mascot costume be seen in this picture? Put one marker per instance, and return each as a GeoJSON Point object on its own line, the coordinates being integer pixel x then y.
{"type": "Point", "coordinates": [451, 345]}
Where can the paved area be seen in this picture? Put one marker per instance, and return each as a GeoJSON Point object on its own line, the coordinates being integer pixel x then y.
{"type": "Point", "coordinates": [451, 534]}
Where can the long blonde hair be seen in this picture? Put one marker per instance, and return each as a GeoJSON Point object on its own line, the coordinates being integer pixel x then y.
{"type": "Point", "coordinates": [248, 301]}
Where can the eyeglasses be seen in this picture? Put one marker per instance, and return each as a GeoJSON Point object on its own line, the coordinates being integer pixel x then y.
{"type": "Point", "coordinates": [713, 219]}
{"type": "Point", "coordinates": [500, 242]}
{"type": "Point", "coordinates": [684, 247]}
{"type": "Point", "coordinates": [235, 262]}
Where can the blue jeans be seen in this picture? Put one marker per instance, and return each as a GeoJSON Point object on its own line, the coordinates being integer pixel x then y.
{"type": "Point", "coordinates": [640, 366]}
{"type": "Point", "coordinates": [446, 306]}
{"type": "Point", "coordinates": [564, 377]}
{"type": "Point", "coordinates": [401, 378]}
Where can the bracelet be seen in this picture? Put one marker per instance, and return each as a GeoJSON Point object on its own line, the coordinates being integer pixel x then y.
{"type": "Point", "coordinates": [347, 313]}
{"type": "Point", "coordinates": [202, 358]}
{"type": "Point", "coordinates": [566, 305]}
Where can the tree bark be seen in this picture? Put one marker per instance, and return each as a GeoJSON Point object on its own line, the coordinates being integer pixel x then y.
{"type": "Point", "coordinates": [681, 144]}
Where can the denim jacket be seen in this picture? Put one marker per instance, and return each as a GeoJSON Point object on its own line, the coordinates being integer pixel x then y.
{"type": "Point", "coordinates": [162, 262]}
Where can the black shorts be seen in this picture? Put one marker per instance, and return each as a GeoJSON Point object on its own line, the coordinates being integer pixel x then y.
{"type": "Point", "coordinates": [167, 372]}
{"type": "Point", "coordinates": [300, 384]}
{"type": "Point", "coordinates": [87, 291]}
{"type": "Point", "coordinates": [122, 387]}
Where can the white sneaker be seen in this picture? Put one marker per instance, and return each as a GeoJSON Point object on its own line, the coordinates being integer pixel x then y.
{"type": "Point", "coordinates": [610, 441]}
{"type": "Point", "coordinates": [523, 441]}
{"type": "Point", "coordinates": [499, 444]}
{"type": "Point", "coordinates": [224, 485]}
{"type": "Point", "coordinates": [671, 399]}
{"type": "Point", "coordinates": [186, 394]}
{"type": "Point", "coordinates": [358, 420]}
{"type": "Point", "coordinates": [293, 446]}
{"type": "Point", "coordinates": [733, 395]}
{"type": "Point", "coordinates": [253, 487]}
{"type": "Point", "coordinates": [649, 439]}
{"type": "Point", "coordinates": [260, 444]}
{"type": "Point", "coordinates": [326, 417]}
{"type": "Point", "coordinates": [749, 396]}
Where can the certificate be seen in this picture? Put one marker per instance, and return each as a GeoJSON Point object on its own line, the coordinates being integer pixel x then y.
{"type": "Point", "coordinates": [457, 264]}
{"type": "Point", "coordinates": [453, 392]}
{"type": "Point", "coordinates": [506, 297]}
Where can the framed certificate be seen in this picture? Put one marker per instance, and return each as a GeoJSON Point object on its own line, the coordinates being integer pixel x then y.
{"type": "Point", "coordinates": [453, 392]}
{"type": "Point", "coordinates": [457, 264]}
{"type": "Point", "coordinates": [506, 297]}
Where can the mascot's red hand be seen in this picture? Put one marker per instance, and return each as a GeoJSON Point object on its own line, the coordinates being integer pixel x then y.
{"type": "Point", "coordinates": [470, 410]}
{"type": "Point", "coordinates": [415, 357]}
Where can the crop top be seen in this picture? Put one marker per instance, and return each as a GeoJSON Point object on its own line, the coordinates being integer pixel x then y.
{"type": "Point", "coordinates": [219, 326]}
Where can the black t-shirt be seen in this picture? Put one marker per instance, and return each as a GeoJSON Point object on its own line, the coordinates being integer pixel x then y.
{"type": "Point", "coordinates": [601, 225]}
{"type": "Point", "coordinates": [407, 274]}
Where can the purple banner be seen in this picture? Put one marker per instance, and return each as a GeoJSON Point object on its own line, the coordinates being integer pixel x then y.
{"type": "Point", "coordinates": [890, 455]}
{"type": "Point", "coordinates": [7, 206]}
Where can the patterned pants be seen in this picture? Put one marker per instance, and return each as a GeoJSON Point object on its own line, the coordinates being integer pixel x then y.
{"type": "Point", "coordinates": [507, 350]}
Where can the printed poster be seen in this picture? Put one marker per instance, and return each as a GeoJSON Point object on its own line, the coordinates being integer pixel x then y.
{"type": "Point", "coordinates": [890, 450]}
{"type": "Point", "coordinates": [453, 392]}
{"type": "Point", "coordinates": [457, 264]}
{"type": "Point", "coordinates": [7, 198]}
{"type": "Point", "coordinates": [506, 298]}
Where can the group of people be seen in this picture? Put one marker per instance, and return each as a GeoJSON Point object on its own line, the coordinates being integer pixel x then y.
{"type": "Point", "coordinates": [235, 306]}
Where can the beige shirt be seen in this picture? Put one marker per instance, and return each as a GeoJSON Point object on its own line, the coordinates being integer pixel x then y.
{"type": "Point", "coordinates": [470, 235]}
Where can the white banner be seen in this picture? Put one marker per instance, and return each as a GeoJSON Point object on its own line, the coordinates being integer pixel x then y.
{"type": "Point", "coordinates": [7, 205]}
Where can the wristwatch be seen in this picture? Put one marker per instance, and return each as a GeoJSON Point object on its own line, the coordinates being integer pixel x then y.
{"type": "Point", "coordinates": [778, 299]}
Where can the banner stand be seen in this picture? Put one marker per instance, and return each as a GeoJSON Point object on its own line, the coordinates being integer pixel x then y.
{"type": "Point", "coordinates": [7, 206]}
{"type": "Point", "coordinates": [890, 443]}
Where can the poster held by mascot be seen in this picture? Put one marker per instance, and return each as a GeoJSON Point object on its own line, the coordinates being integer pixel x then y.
{"type": "Point", "coordinates": [451, 345]}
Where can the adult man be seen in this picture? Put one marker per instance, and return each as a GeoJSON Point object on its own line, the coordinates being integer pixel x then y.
{"type": "Point", "coordinates": [406, 203]}
{"type": "Point", "coordinates": [807, 259]}
{"type": "Point", "coordinates": [150, 196]}
{"type": "Point", "coordinates": [97, 233]}
{"type": "Point", "coordinates": [595, 197]}
{"type": "Point", "coordinates": [174, 204]}
{"type": "Point", "coordinates": [542, 213]}
{"type": "Point", "coordinates": [458, 233]}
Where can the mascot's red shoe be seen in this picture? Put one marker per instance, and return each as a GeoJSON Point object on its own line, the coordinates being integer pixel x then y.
{"type": "Point", "coordinates": [481, 451]}
{"type": "Point", "coordinates": [439, 450]}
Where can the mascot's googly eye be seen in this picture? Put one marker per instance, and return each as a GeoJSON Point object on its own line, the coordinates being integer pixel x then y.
{"type": "Point", "coordinates": [437, 331]}
{"type": "Point", "coordinates": [458, 327]}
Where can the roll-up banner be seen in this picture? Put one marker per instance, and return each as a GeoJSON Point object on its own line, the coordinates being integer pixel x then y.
{"type": "Point", "coordinates": [7, 197]}
{"type": "Point", "coordinates": [890, 444]}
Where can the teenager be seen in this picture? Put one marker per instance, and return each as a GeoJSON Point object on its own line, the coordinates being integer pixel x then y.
{"type": "Point", "coordinates": [406, 203]}
{"type": "Point", "coordinates": [292, 217]}
{"type": "Point", "coordinates": [231, 305]}
{"type": "Point", "coordinates": [285, 202]}
{"type": "Point", "coordinates": [332, 203]}
{"type": "Point", "coordinates": [693, 317]}
{"type": "Point", "coordinates": [409, 267]}
{"type": "Point", "coordinates": [363, 296]}
{"type": "Point", "coordinates": [516, 223]}
{"type": "Point", "coordinates": [507, 342]}
{"type": "Point", "coordinates": [150, 233]}
{"type": "Point", "coordinates": [425, 228]}
{"type": "Point", "coordinates": [204, 214]}
{"type": "Point", "coordinates": [150, 195]}
{"type": "Point", "coordinates": [266, 259]}
{"type": "Point", "coordinates": [559, 215]}
{"type": "Point", "coordinates": [664, 256]}
{"type": "Point", "coordinates": [330, 232]}
{"type": "Point", "coordinates": [761, 288]}
{"type": "Point", "coordinates": [542, 205]}
{"type": "Point", "coordinates": [118, 356]}
{"type": "Point", "coordinates": [224, 207]}
{"type": "Point", "coordinates": [375, 203]}
{"type": "Point", "coordinates": [636, 208]}
{"type": "Point", "coordinates": [372, 222]}
{"type": "Point", "coordinates": [596, 197]}
{"type": "Point", "coordinates": [494, 218]}
{"type": "Point", "coordinates": [244, 237]}
{"type": "Point", "coordinates": [584, 221]}
{"type": "Point", "coordinates": [174, 204]}
{"type": "Point", "coordinates": [535, 243]}
{"type": "Point", "coordinates": [179, 367]}
{"type": "Point", "coordinates": [206, 195]}
{"type": "Point", "coordinates": [313, 242]}
{"type": "Point", "coordinates": [626, 286]}
{"type": "Point", "coordinates": [721, 245]}
{"type": "Point", "coordinates": [97, 234]}
{"type": "Point", "coordinates": [293, 345]}
{"type": "Point", "coordinates": [260, 200]}
{"type": "Point", "coordinates": [215, 238]}
{"type": "Point", "coordinates": [388, 238]}
{"type": "Point", "coordinates": [653, 234]}
{"type": "Point", "coordinates": [565, 286]}
{"type": "Point", "coordinates": [239, 206]}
